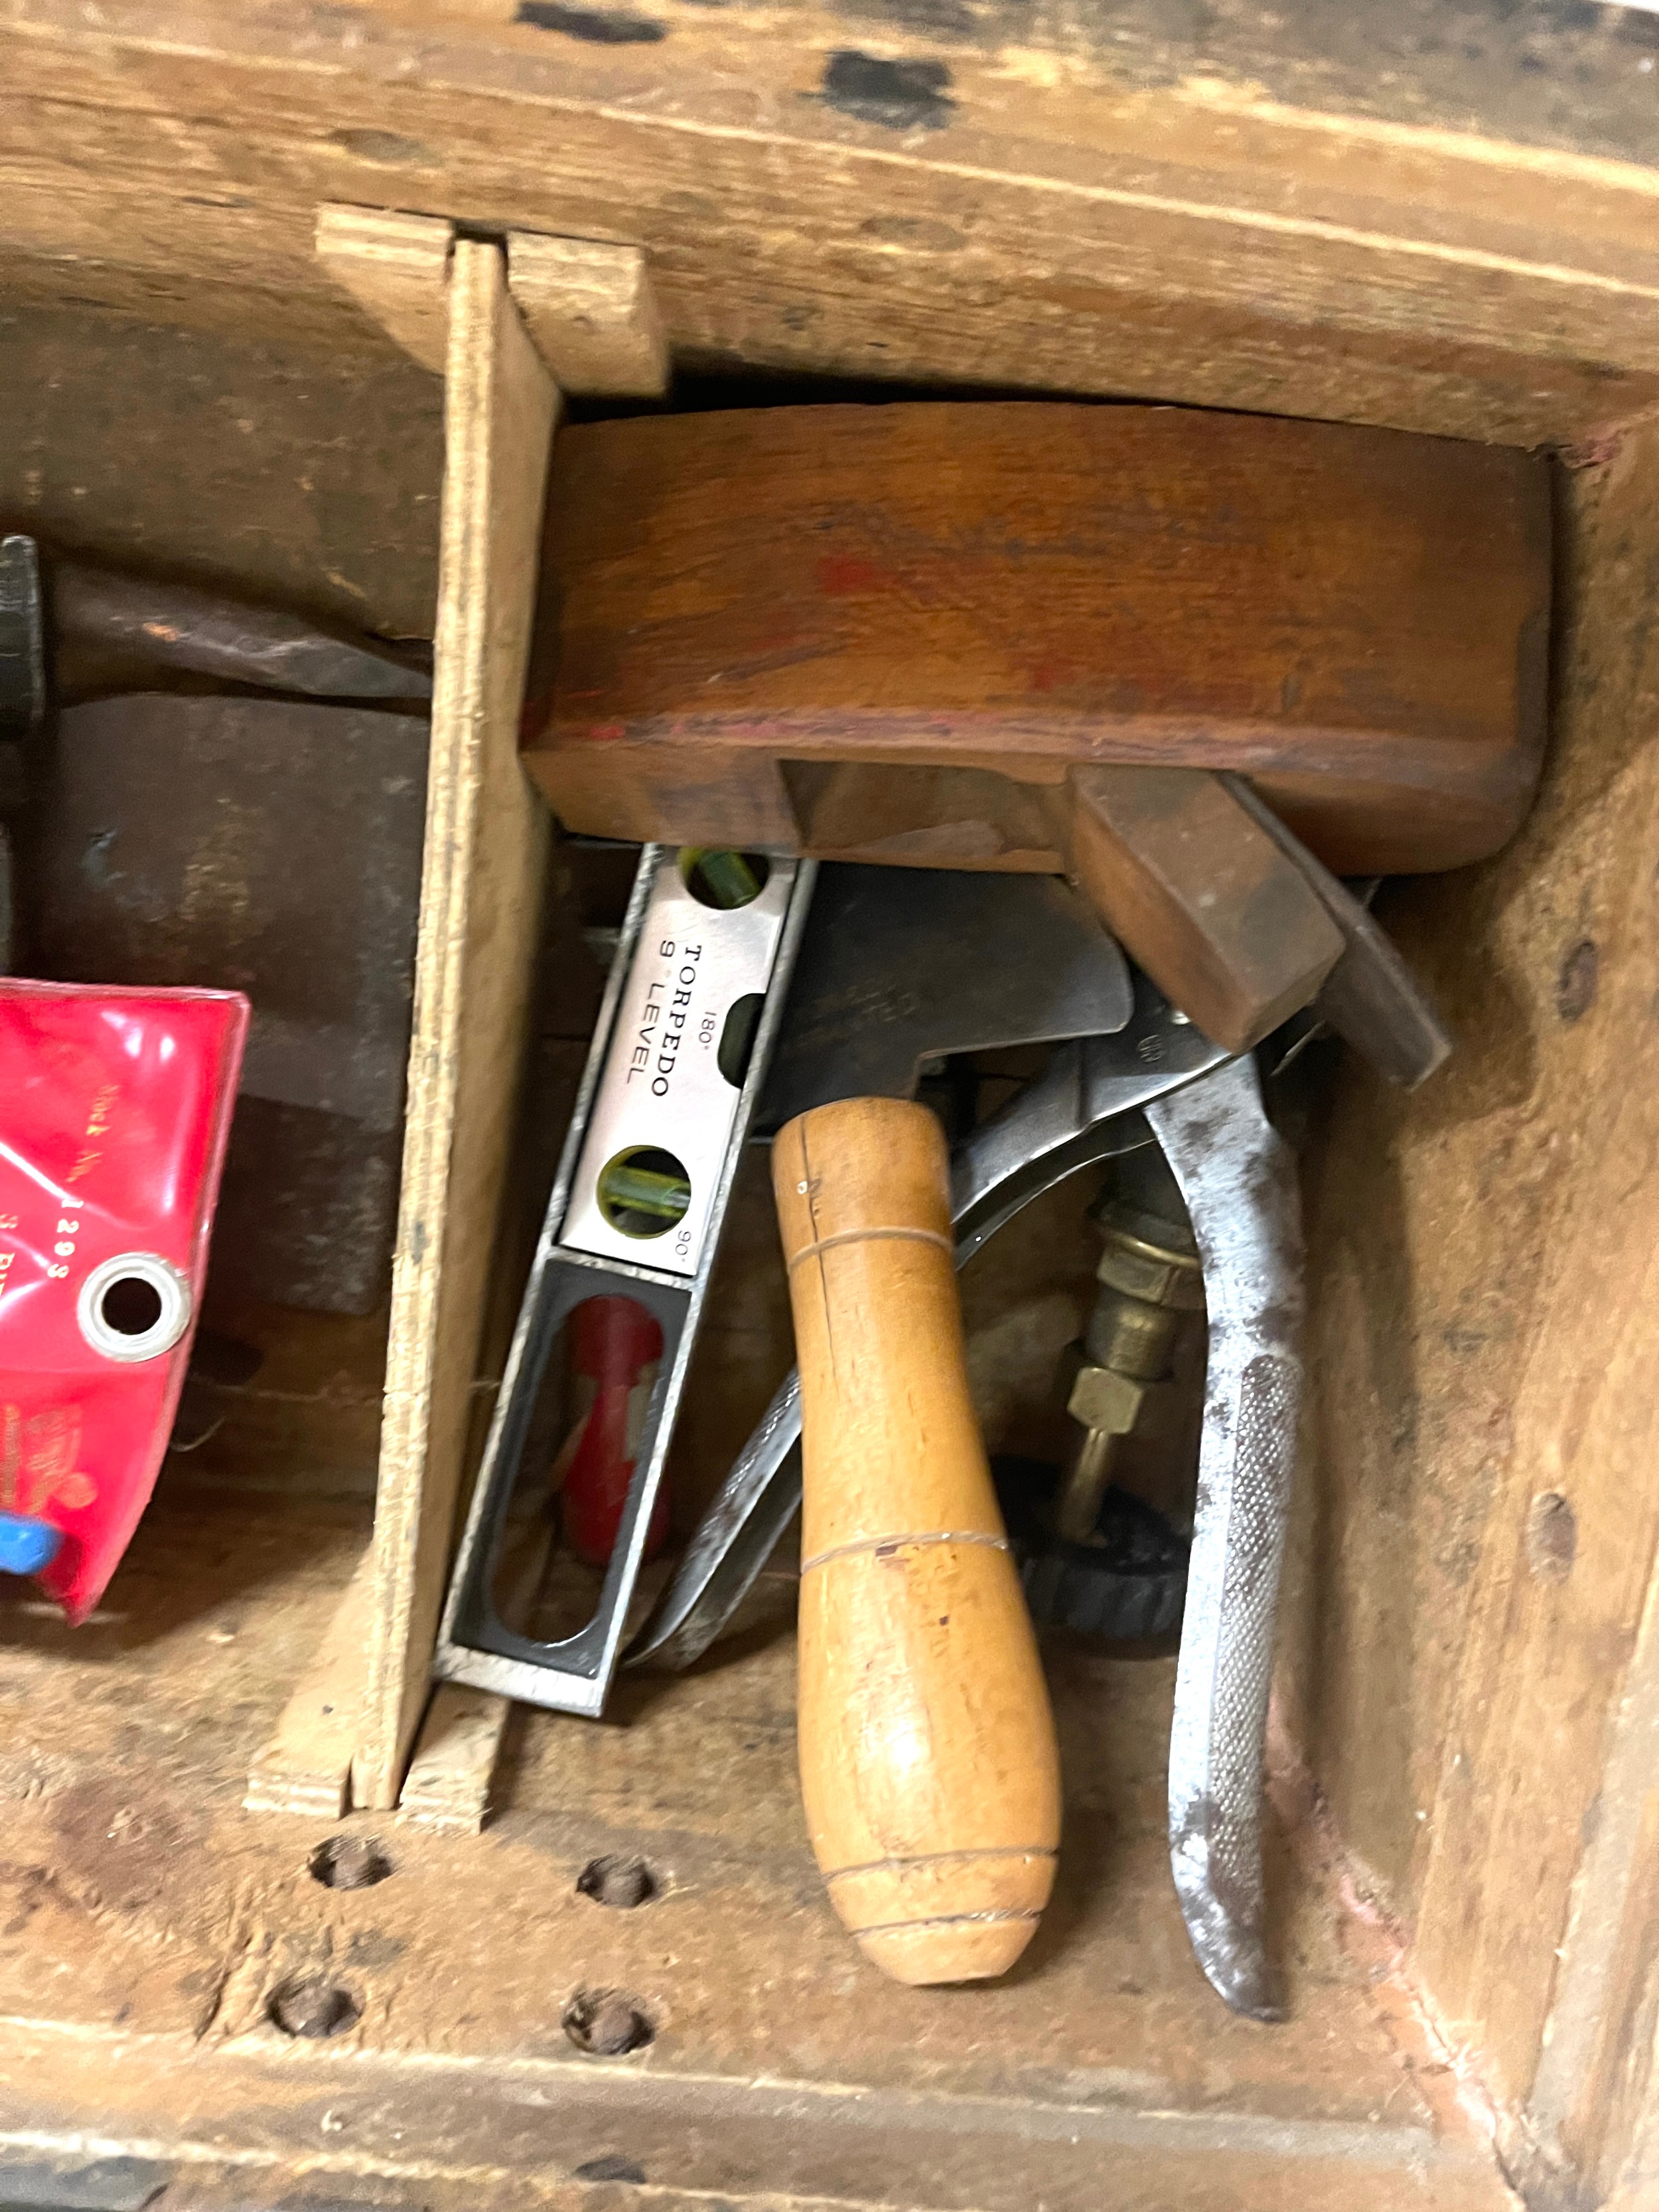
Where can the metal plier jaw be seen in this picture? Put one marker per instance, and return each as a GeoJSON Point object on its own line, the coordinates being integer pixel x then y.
{"type": "Point", "coordinates": [1097, 1099]}
{"type": "Point", "coordinates": [1081, 1110]}
{"type": "Point", "coordinates": [1238, 1179]}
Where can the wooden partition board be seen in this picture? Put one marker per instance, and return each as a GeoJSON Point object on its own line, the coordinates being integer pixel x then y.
{"type": "Point", "coordinates": [1473, 1645]}
{"type": "Point", "coordinates": [486, 848]}
{"type": "Point", "coordinates": [482, 873]}
{"type": "Point", "coordinates": [468, 308]}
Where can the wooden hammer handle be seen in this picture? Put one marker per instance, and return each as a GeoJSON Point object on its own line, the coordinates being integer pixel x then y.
{"type": "Point", "coordinates": [927, 1755]}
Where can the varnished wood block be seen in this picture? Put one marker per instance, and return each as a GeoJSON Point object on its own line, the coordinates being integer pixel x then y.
{"type": "Point", "coordinates": [763, 626]}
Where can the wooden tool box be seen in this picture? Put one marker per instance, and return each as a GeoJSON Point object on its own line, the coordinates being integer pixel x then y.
{"type": "Point", "coordinates": [289, 299]}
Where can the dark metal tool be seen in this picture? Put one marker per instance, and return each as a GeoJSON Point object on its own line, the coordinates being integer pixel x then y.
{"type": "Point", "coordinates": [270, 846]}
{"type": "Point", "coordinates": [894, 967]}
{"type": "Point", "coordinates": [1157, 1078]}
{"type": "Point", "coordinates": [114, 632]}
{"type": "Point", "coordinates": [22, 641]}
{"type": "Point", "coordinates": [22, 696]}
{"type": "Point", "coordinates": [904, 965]}
{"type": "Point", "coordinates": [1080, 1111]}
{"type": "Point", "coordinates": [1370, 998]}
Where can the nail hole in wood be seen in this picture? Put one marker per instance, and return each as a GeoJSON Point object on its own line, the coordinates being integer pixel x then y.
{"type": "Point", "coordinates": [348, 1862]}
{"type": "Point", "coordinates": [1552, 1536]}
{"type": "Point", "coordinates": [607, 2023]}
{"type": "Point", "coordinates": [620, 1882]}
{"type": "Point", "coordinates": [312, 2006]}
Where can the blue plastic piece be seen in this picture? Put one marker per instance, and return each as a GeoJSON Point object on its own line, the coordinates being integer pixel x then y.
{"type": "Point", "coordinates": [27, 1546]}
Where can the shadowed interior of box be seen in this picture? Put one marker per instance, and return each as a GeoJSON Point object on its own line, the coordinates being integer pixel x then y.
{"type": "Point", "coordinates": [152, 1920]}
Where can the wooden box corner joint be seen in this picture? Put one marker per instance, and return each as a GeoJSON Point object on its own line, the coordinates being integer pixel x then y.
{"type": "Point", "coordinates": [588, 305]}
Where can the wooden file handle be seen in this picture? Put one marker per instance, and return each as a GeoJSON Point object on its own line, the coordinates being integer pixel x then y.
{"type": "Point", "coordinates": [927, 1755]}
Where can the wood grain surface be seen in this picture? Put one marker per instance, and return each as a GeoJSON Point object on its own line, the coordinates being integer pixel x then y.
{"type": "Point", "coordinates": [737, 602]}
{"type": "Point", "coordinates": [927, 1755]}
{"type": "Point", "coordinates": [150, 1920]}
{"type": "Point", "coordinates": [396, 267]}
{"type": "Point", "coordinates": [592, 315]}
{"type": "Point", "coordinates": [305, 1766]}
{"type": "Point", "coordinates": [482, 870]}
{"type": "Point", "coordinates": [1348, 213]}
{"type": "Point", "coordinates": [1470, 1626]}
{"type": "Point", "coordinates": [1219, 915]}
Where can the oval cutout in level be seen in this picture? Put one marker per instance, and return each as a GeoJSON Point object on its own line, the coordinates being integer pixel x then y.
{"type": "Point", "coordinates": [737, 1043]}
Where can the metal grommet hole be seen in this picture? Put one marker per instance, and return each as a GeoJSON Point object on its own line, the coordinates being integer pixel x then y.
{"type": "Point", "coordinates": [130, 1306]}
{"type": "Point", "coordinates": [312, 2006]}
{"type": "Point", "coordinates": [134, 1307]}
{"type": "Point", "coordinates": [348, 1862]}
{"type": "Point", "coordinates": [617, 1881]}
{"type": "Point", "coordinates": [607, 2023]}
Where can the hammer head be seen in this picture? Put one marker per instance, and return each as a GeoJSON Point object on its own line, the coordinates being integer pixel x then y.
{"type": "Point", "coordinates": [901, 965]}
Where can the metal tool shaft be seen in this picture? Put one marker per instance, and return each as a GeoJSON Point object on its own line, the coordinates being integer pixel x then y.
{"type": "Point", "coordinates": [1238, 1179]}
{"type": "Point", "coordinates": [1080, 1111]}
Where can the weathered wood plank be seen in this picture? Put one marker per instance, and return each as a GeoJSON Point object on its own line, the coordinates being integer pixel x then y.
{"type": "Point", "coordinates": [1593, 2098]}
{"type": "Point", "coordinates": [482, 872]}
{"type": "Point", "coordinates": [591, 312]}
{"type": "Point", "coordinates": [305, 1767]}
{"type": "Point", "coordinates": [1481, 1528]}
{"type": "Point", "coordinates": [931, 209]}
{"type": "Point", "coordinates": [396, 267]}
{"type": "Point", "coordinates": [450, 1775]}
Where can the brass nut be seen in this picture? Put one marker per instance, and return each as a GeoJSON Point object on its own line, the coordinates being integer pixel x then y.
{"type": "Point", "coordinates": [1142, 1270]}
{"type": "Point", "coordinates": [1102, 1400]}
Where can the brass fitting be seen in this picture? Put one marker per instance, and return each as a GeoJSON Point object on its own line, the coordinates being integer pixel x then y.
{"type": "Point", "coordinates": [1150, 1279]}
{"type": "Point", "coordinates": [1104, 1398]}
